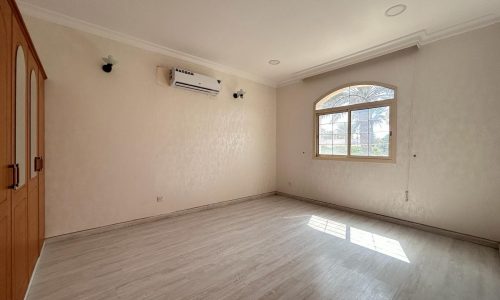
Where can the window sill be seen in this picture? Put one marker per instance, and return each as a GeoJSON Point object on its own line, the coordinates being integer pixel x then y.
{"type": "Point", "coordinates": [358, 159]}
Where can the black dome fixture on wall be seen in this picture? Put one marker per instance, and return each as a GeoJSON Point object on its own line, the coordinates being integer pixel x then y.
{"type": "Point", "coordinates": [108, 63]}
{"type": "Point", "coordinates": [239, 94]}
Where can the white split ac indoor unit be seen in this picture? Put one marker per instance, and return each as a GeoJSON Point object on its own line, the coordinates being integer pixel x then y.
{"type": "Point", "coordinates": [195, 82]}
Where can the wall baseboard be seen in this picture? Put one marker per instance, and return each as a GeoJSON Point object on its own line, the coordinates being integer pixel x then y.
{"type": "Point", "coordinates": [432, 229]}
{"type": "Point", "coordinates": [419, 226]}
{"type": "Point", "coordinates": [97, 230]}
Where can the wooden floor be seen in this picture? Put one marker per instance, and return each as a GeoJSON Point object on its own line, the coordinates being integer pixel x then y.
{"type": "Point", "coordinates": [272, 248]}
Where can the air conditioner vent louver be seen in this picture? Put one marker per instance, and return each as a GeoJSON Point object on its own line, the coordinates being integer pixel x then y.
{"type": "Point", "coordinates": [195, 82]}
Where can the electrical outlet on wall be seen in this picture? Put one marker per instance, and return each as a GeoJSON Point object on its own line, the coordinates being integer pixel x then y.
{"type": "Point", "coordinates": [159, 198]}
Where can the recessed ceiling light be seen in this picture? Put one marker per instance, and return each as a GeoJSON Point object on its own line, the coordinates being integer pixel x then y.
{"type": "Point", "coordinates": [274, 62]}
{"type": "Point", "coordinates": [395, 10]}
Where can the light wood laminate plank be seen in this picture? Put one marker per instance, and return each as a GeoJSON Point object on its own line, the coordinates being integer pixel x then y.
{"type": "Point", "coordinates": [271, 248]}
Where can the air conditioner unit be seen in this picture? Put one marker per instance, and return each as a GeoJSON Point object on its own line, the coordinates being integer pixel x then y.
{"type": "Point", "coordinates": [194, 82]}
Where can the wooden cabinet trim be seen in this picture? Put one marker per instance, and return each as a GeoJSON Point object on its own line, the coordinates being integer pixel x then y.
{"type": "Point", "coordinates": [17, 15]}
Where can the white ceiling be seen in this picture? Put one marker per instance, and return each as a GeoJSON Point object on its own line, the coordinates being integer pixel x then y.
{"type": "Point", "coordinates": [245, 34]}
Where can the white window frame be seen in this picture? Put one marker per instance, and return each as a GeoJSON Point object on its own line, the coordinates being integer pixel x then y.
{"type": "Point", "coordinates": [391, 103]}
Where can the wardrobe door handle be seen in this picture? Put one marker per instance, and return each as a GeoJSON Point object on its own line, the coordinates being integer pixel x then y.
{"type": "Point", "coordinates": [38, 164]}
{"type": "Point", "coordinates": [15, 176]}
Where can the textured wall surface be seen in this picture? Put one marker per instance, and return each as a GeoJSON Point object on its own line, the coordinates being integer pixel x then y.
{"type": "Point", "coordinates": [448, 105]}
{"type": "Point", "coordinates": [114, 142]}
{"type": "Point", "coordinates": [117, 141]}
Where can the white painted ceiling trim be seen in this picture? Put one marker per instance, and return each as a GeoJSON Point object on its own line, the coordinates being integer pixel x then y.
{"type": "Point", "coordinates": [64, 20]}
{"type": "Point", "coordinates": [418, 39]}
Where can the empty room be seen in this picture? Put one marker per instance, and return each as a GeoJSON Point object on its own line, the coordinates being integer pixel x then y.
{"type": "Point", "coordinates": [237, 149]}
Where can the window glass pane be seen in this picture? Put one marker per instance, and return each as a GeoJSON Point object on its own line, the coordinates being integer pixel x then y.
{"type": "Point", "coordinates": [325, 139]}
{"type": "Point", "coordinates": [325, 119]}
{"type": "Point", "coordinates": [355, 95]}
{"type": "Point", "coordinates": [333, 134]}
{"type": "Point", "coordinates": [379, 150]}
{"type": "Point", "coordinates": [359, 149]}
{"type": "Point", "coordinates": [339, 139]}
{"type": "Point", "coordinates": [335, 99]}
{"type": "Point", "coordinates": [326, 129]}
{"type": "Point", "coordinates": [325, 149]}
{"type": "Point", "coordinates": [369, 93]}
{"type": "Point", "coordinates": [339, 150]}
{"type": "Point", "coordinates": [370, 132]}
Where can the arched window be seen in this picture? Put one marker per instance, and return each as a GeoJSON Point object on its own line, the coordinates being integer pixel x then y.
{"type": "Point", "coordinates": [356, 122]}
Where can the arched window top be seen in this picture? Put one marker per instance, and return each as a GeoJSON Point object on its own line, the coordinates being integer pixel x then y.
{"type": "Point", "coordinates": [355, 94]}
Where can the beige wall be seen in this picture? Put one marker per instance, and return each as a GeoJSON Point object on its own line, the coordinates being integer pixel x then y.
{"type": "Point", "coordinates": [453, 127]}
{"type": "Point", "coordinates": [114, 142]}
{"type": "Point", "coordinates": [117, 141]}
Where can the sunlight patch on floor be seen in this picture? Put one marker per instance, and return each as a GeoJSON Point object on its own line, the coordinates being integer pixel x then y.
{"type": "Point", "coordinates": [328, 226]}
{"type": "Point", "coordinates": [372, 241]}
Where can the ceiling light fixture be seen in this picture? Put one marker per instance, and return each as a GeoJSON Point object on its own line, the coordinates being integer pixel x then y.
{"type": "Point", "coordinates": [395, 10]}
{"type": "Point", "coordinates": [274, 62]}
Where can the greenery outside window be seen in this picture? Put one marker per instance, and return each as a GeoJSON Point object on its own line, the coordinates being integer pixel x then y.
{"type": "Point", "coordinates": [356, 122]}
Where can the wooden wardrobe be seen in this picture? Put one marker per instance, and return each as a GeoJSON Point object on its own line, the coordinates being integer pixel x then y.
{"type": "Point", "coordinates": [22, 179]}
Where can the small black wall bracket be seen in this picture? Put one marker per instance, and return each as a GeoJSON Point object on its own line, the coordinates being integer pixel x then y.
{"type": "Point", "coordinates": [108, 63]}
{"type": "Point", "coordinates": [107, 68]}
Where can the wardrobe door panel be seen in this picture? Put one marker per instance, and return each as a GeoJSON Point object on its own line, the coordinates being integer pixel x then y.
{"type": "Point", "coordinates": [20, 265]}
{"type": "Point", "coordinates": [5, 242]}
{"type": "Point", "coordinates": [20, 272]}
{"type": "Point", "coordinates": [5, 150]}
